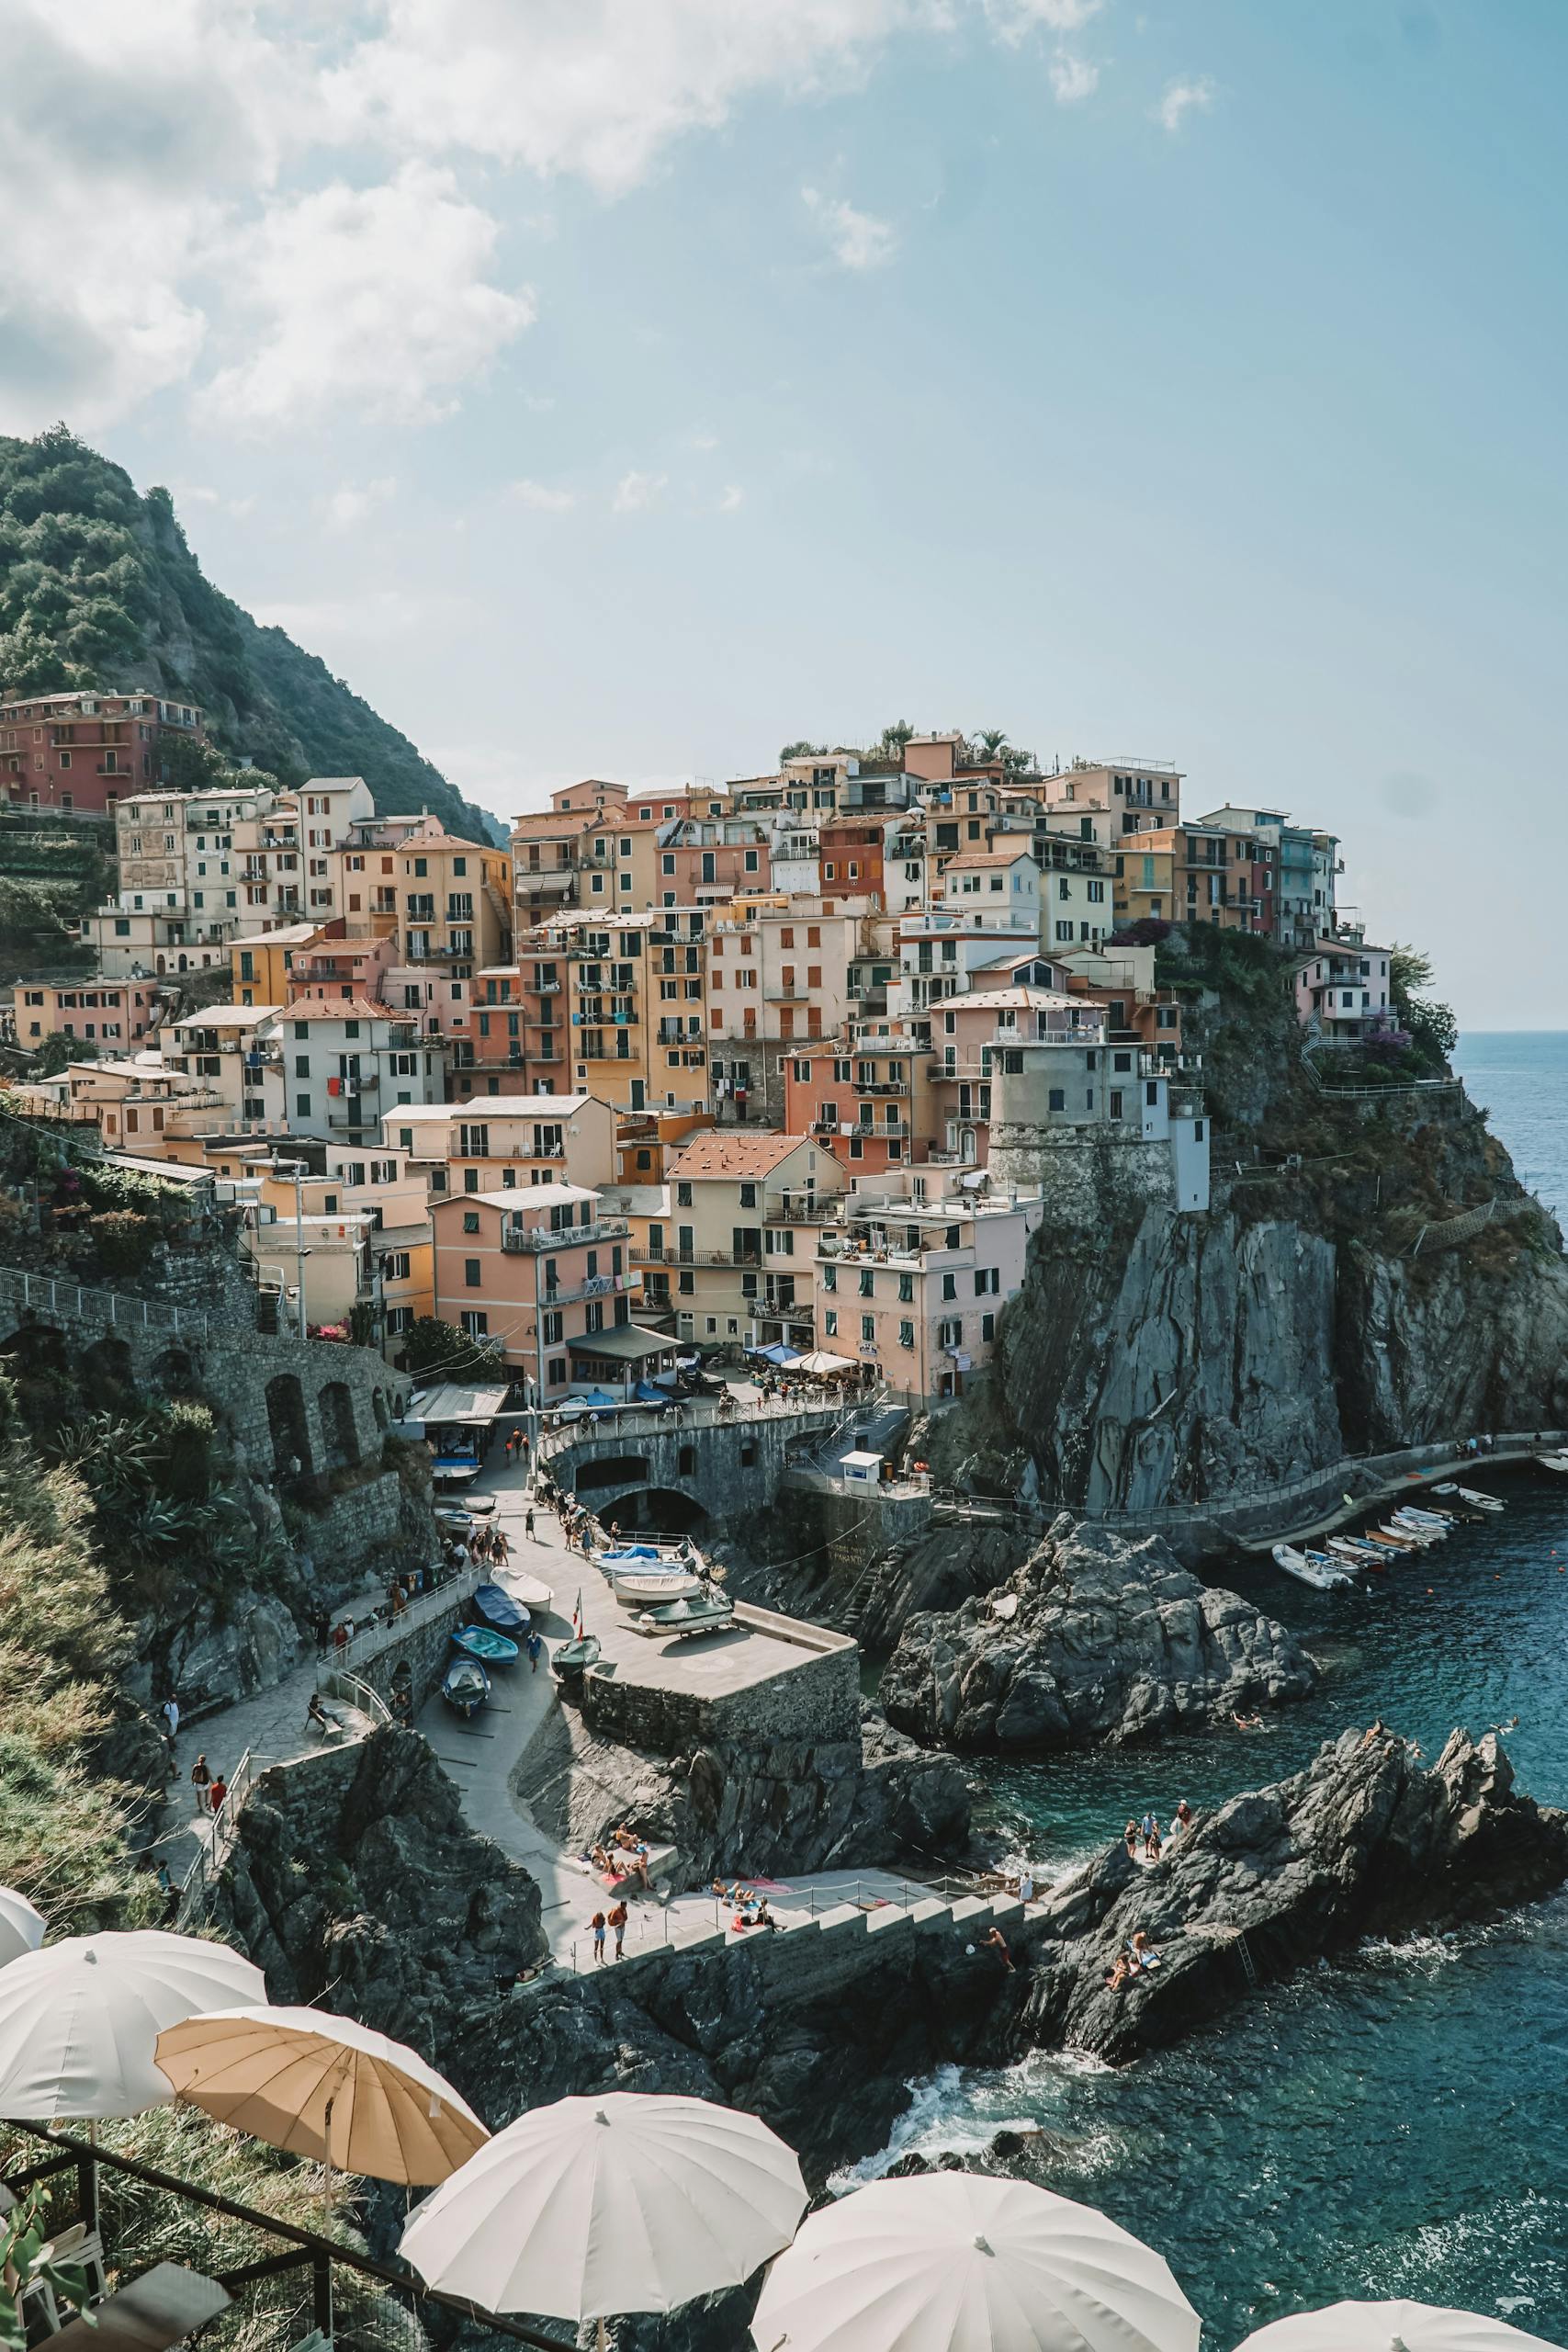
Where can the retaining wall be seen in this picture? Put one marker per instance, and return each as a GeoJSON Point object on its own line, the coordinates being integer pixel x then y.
{"type": "Point", "coordinates": [814, 1699]}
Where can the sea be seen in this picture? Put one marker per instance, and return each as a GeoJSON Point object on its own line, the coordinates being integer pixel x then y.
{"type": "Point", "coordinates": [1397, 2124]}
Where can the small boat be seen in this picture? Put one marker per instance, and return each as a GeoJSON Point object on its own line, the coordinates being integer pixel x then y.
{"type": "Point", "coordinates": [495, 1607]}
{"type": "Point", "coordinates": [465, 1685]}
{"type": "Point", "coordinates": [627, 1551]}
{"type": "Point", "coordinates": [528, 1591]}
{"type": "Point", "coordinates": [1310, 1567]}
{"type": "Point", "coordinates": [479, 1641]}
{"type": "Point", "coordinates": [1558, 1462]}
{"type": "Point", "coordinates": [576, 1657]}
{"type": "Point", "coordinates": [682, 1617]}
{"type": "Point", "coordinates": [1470, 1495]}
{"type": "Point", "coordinates": [1420, 1522]}
{"type": "Point", "coordinates": [644, 1587]}
{"type": "Point", "coordinates": [1313, 1569]}
{"type": "Point", "coordinates": [1407, 1539]}
{"type": "Point", "coordinates": [1356, 1556]}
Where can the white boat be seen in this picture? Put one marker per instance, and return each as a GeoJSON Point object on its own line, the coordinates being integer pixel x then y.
{"type": "Point", "coordinates": [1470, 1495]}
{"type": "Point", "coordinates": [1420, 1522]}
{"type": "Point", "coordinates": [529, 1592]}
{"type": "Point", "coordinates": [1348, 1548]}
{"type": "Point", "coordinates": [1558, 1462]}
{"type": "Point", "coordinates": [652, 1587]}
{"type": "Point", "coordinates": [1309, 1569]}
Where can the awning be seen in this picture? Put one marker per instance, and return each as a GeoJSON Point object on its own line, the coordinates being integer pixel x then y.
{"type": "Point", "coordinates": [627, 1343]}
{"type": "Point", "coordinates": [822, 1360]}
{"type": "Point", "coordinates": [453, 1401]}
{"type": "Point", "coordinates": [776, 1354]}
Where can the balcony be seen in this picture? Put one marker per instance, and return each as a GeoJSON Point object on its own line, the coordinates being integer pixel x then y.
{"type": "Point", "coordinates": [597, 1286]}
{"type": "Point", "coordinates": [645, 1256]}
{"type": "Point", "coordinates": [532, 1240]}
{"type": "Point", "coordinates": [352, 1115]}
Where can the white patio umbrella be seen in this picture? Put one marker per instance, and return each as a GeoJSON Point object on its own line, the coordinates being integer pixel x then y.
{"type": "Point", "coordinates": [958, 2262]}
{"type": "Point", "coordinates": [607, 2204]}
{"type": "Point", "coordinates": [21, 1928]}
{"type": "Point", "coordinates": [80, 2020]}
{"type": "Point", "coordinates": [822, 1361]}
{"type": "Point", "coordinates": [322, 2087]}
{"type": "Point", "coordinates": [1390, 2327]}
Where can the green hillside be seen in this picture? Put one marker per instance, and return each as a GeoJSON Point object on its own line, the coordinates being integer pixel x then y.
{"type": "Point", "coordinates": [97, 588]}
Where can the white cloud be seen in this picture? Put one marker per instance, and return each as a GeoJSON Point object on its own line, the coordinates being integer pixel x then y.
{"type": "Point", "coordinates": [542, 498]}
{"type": "Point", "coordinates": [597, 89]}
{"type": "Point", "coordinates": [636, 492]}
{"type": "Point", "coordinates": [704, 441]}
{"type": "Point", "coordinates": [1013, 20]}
{"type": "Point", "coordinates": [1193, 96]}
{"type": "Point", "coordinates": [379, 297]}
{"type": "Point", "coordinates": [856, 240]}
{"type": "Point", "coordinates": [731, 499]}
{"type": "Point", "coordinates": [1073, 79]}
{"type": "Point", "coordinates": [348, 506]}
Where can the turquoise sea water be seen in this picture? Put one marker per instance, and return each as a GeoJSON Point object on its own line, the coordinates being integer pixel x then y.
{"type": "Point", "coordinates": [1396, 2125]}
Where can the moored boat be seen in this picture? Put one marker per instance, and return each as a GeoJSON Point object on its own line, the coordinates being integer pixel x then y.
{"type": "Point", "coordinates": [1310, 1567]}
{"type": "Point", "coordinates": [464, 1686]}
{"type": "Point", "coordinates": [706, 1615]}
{"type": "Point", "coordinates": [1470, 1495]}
{"type": "Point", "coordinates": [479, 1641]}
{"type": "Point", "coordinates": [576, 1657]}
{"type": "Point", "coordinates": [1558, 1462]}
{"type": "Point", "coordinates": [499, 1610]}
{"type": "Point", "coordinates": [1360, 1556]}
{"type": "Point", "coordinates": [644, 1587]}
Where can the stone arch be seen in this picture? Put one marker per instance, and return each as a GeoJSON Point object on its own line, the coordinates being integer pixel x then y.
{"type": "Point", "coordinates": [287, 1422]}
{"type": "Point", "coordinates": [340, 1436]}
{"type": "Point", "coordinates": [174, 1373]}
{"type": "Point", "coordinates": [34, 1350]}
{"type": "Point", "coordinates": [664, 1511]}
{"type": "Point", "coordinates": [108, 1374]}
{"type": "Point", "coordinates": [617, 1470]}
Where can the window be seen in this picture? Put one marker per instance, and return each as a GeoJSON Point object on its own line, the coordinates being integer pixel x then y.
{"type": "Point", "coordinates": [988, 1281]}
{"type": "Point", "coordinates": [473, 1273]}
{"type": "Point", "coordinates": [395, 1265]}
{"type": "Point", "coordinates": [867, 1283]}
{"type": "Point", "coordinates": [987, 1327]}
{"type": "Point", "coordinates": [830, 1278]}
{"type": "Point", "coordinates": [748, 1196]}
{"type": "Point", "coordinates": [475, 1323]}
{"type": "Point", "coordinates": [950, 1287]}
{"type": "Point", "coordinates": [950, 1334]}
{"type": "Point", "coordinates": [682, 1195]}
{"type": "Point", "coordinates": [1056, 1100]}
{"type": "Point", "coordinates": [906, 1335]}
{"type": "Point", "coordinates": [301, 1106]}
{"type": "Point", "coordinates": [470, 1220]}
{"type": "Point", "coordinates": [868, 1327]}
{"type": "Point", "coordinates": [830, 1322]}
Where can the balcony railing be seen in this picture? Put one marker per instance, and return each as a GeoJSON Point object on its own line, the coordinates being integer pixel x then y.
{"type": "Point", "coordinates": [645, 1255]}
{"type": "Point", "coordinates": [535, 1239]}
{"type": "Point", "coordinates": [597, 1286]}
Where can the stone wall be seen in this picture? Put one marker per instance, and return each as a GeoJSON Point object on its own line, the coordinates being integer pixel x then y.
{"type": "Point", "coordinates": [1084, 1174]}
{"type": "Point", "coordinates": [424, 1649]}
{"type": "Point", "coordinates": [361, 1529]}
{"type": "Point", "coordinates": [815, 1701]}
{"type": "Point", "coordinates": [735, 1467]}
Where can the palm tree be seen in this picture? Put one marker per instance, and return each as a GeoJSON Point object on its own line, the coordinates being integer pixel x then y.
{"type": "Point", "coordinates": [988, 741]}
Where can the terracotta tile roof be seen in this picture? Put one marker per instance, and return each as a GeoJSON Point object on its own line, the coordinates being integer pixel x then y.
{"type": "Point", "coordinates": [987, 856]}
{"type": "Point", "coordinates": [725, 1151]}
{"type": "Point", "coordinates": [346, 1008]}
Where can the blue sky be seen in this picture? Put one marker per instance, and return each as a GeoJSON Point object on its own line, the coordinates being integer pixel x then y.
{"type": "Point", "coordinates": [621, 390]}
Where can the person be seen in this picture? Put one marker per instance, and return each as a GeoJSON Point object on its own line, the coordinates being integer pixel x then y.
{"type": "Point", "coordinates": [340, 1634]}
{"type": "Point", "coordinates": [170, 1711]}
{"type": "Point", "coordinates": [316, 1714]}
{"type": "Point", "coordinates": [625, 1836]}
{"type": "Point", "coordinates": [762, 1917]}
{"type": "Point", "coordinates": [1140, 1953]}
{"type": "Point", "coordinates": [400, 1599]}
{"type": "Point", "coordinates": [169, 1892]}
{"type": "Point", "coordinates": [1246, 1722]}
{"type": "Point", "coordinates": [1149, 1829]}
{"type": "Point", "coordinates": [1131, 1836]}
{"type": "Point", "coordinates": [600, 1860]}
{"type": "Point", "coordinates": [996, 1941]}
{"type": "Point", "coordinates": [217, 1791]}
{"type": "Point", "coordinates": [321, 1626]}
{"type": "Point", "coordinates": [640, 1866]}
{"type": "Point", "coordinates": [1120, 1974]}
{"type": "Point", "coordinates": [597, 1924]}
{"type": "Point", "coordinates": [200, 1780]}
{"type": "Point", "coordinates": [535, 1647]}
{"type": "Point", "coordinates": [403, 1706]}
{"type": "Point", "coordinates": [1183, 1814]}
{"type": "Point", "coordinates": [528, 1522]}
{"type": "Point", "coordinates": [1152, 1843]}
{"type": "Point", "coordinates": [618, 1921]}
{"type": "Point", "coordinates": [501, 1546]}
{"type": "Point", "coordinates": [1373, 1731]}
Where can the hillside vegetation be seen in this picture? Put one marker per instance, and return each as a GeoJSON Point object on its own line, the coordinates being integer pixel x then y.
{"type": "Point", "coordinates": [98, 588]}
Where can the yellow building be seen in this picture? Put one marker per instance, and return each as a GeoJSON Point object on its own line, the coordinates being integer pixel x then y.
{"type": "Point", "coordinates": [738, 1250]}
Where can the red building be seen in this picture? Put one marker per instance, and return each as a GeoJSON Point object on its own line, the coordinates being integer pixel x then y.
{"type": "Point", "coordinates": [83, 753]}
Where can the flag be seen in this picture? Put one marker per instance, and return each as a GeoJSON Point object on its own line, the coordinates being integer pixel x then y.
{"type": "Point", "coordinates": [577, 1615]}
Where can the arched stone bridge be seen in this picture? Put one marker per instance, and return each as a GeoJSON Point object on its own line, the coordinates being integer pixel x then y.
{"type": "Point", "coordinates": [651, 1469]}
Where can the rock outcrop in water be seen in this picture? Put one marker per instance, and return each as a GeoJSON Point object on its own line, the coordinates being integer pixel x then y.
{"type": "Point", "coordinates": [1092, 1638]}
{"type": "Point", "coordinates": [1363, 1842]}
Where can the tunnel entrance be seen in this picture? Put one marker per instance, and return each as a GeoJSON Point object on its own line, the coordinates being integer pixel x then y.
{"type": "Point", "coordinates": [621, 1470]}
{"type": "Point", "coordinates": [661, 1511]}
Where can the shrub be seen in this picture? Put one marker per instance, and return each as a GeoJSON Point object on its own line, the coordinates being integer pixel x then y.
{"type": "Point", "coordinates": [123, 1241]}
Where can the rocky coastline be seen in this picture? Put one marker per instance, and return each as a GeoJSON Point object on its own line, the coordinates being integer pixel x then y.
{"type": "Point", "coordinates": [1092, 1638]}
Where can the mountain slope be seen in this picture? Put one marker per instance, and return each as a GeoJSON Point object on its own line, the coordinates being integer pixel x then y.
{"type": "Point", "coordinates": [98, 588]}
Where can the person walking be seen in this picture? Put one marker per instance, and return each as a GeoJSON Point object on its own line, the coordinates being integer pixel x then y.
{"type": "Point", "coordinates": [618, 1921]}
{"type": "Point", "coordinates": [535, 1647]}
{"type": "Point", "coordinates": [528, 1522]}
{"type": "Point", "coordinates": [216, 1794]}
{"type": "Point", "coordinates": [169, 1713]}
{"type": "Point", "coordinates": [321, 1626]}
{"type": "Point", "coordinates": [597, 1924]}
{"type": "Point", "coordinates": [200, 1780]}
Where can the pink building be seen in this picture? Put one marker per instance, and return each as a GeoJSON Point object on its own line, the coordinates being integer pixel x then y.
{"type": "Point", "coordinates": [542, 1277]}
{"type": "Point", "coordinates": [113, 1012]}
{"type": "Point", "coordinates": [917, 1287]}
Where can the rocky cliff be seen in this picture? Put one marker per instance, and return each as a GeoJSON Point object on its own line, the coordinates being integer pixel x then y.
{"type": "Point", "coordinates": [1152, 1356]}
{"type": "Point", "coordinates": [1092, 1638]}
{"type": "Point", "coordinates": [355, 1882]}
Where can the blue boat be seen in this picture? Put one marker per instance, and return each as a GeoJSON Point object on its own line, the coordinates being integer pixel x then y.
{"type": "Point", "coordinates": [464, 1686]}
{"type": "Point", "coordinates": [478, 1641]}
{"type": "Point", "coordinates": [624, 1553]}
{"type": "Point", "coordinates": [494, 1607]}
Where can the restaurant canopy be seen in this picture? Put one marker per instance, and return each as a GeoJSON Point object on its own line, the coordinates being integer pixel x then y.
{"type": "Point", "coordinates": [454, 1403]}
{"type": "Point", "coordinates": [776, 1354]}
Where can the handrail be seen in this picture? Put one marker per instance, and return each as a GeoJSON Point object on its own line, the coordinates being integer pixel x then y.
{"type": "Point", "coordinates": [47, 1293]}
{"type": "Point", "coordinates": [372, 1639]}
{"type": "Point", "coordinates": [212, 1851]}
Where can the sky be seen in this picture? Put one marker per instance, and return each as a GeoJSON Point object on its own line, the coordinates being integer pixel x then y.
{"type": "Point", "coordinates": [627, 387]}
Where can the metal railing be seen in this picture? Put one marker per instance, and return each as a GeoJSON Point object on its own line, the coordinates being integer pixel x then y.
{"type": "Point", "coordinates": [43, 1295]}
{"type": "Point", "coordinates": [215, 1840]}
{"type": "Point", "coordinates": [368, 1641]}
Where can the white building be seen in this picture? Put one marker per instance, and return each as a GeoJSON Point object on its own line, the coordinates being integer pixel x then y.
{"type": "Point", "coordinates": [1049, 1095]}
